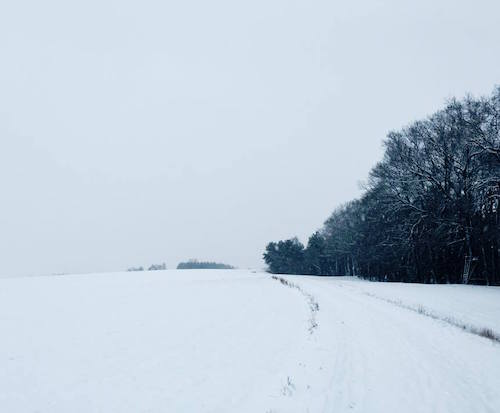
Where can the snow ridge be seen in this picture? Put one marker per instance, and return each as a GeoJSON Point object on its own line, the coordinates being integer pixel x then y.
{"type": "Point", "coordinates": [420, 309]}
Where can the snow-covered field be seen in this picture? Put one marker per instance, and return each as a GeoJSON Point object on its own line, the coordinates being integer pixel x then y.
{"type": "Point", "coordinates": [237, 341]}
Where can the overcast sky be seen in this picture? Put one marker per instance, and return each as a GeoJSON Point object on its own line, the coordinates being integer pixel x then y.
{"type": "Point", "coordinates": [138, 132]}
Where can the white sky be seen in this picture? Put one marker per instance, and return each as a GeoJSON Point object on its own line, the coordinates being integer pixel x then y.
{"type": "Point", "coordinates": [137, 132]}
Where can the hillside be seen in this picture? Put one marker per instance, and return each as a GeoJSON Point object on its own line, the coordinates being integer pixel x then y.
{"type": "Point", "coordinates": [237, 341]}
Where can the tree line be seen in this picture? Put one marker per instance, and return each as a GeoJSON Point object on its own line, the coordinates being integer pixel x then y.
{"type": "Point", "coordinates": [429, 212]}
{"type": "Point", "coordinates": [197, 265]}
{"type": "Point", "coordinates": [188, 265]}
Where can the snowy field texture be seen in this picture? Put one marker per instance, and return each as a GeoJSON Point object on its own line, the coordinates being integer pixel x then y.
{"type": "Point", "coordinates": [237, 341]}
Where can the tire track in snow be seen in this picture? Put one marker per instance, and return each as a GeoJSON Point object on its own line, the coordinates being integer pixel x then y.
{"type": "Point", "coordinates": [386, 358]}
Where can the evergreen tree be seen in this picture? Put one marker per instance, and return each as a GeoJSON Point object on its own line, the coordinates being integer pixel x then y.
{"type": "Point", "coordinates": [285, 257]}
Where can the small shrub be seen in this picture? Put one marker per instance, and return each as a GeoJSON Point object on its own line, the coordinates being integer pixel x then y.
{"type": "Point", "coordinates": [488, 333]}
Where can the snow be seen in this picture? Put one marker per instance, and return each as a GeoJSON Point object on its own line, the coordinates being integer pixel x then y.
{"type": "Point", "coordinates": [238, 341]}
{"type": "Point", "coordinates": [471, 305]}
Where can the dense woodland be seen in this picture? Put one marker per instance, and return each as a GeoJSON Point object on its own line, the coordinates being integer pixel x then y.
{"type": "Point", "coordinates": [430, 210]}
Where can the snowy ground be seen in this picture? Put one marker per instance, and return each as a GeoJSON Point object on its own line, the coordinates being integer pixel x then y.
{"type": "Point", "coordinates": [236, 341]}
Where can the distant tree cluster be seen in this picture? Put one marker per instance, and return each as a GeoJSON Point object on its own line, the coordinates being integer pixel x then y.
{"type": "Point", "coordinates": [157, 267]}
{"type": "Point", "coordinates": [430, 211]}
{"type": "Point", "coordinates": [154, 267]}
{"type": "Point", "coordinates": [195, 264]}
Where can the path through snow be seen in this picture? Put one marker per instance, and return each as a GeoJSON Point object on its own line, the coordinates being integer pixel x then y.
{"type": "Point", "coordinates": [235, 341]}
